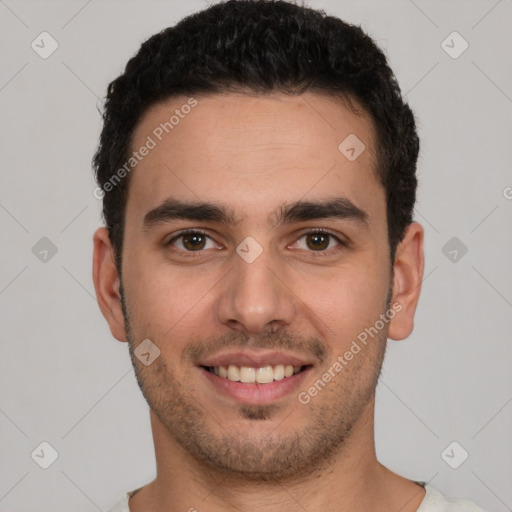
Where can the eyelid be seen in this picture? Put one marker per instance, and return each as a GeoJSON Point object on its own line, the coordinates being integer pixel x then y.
{"type": "Point", "coordinates": [324, 231]}
{"type": "Point", "coordinates": [187, 231]}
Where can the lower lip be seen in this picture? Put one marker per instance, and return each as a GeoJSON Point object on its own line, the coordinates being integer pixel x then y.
{"type": "Point", "coordinates": [256, 394]}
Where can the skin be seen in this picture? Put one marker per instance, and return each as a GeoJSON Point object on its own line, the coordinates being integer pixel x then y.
{"type": "Point", "coordinates": [254, 154]}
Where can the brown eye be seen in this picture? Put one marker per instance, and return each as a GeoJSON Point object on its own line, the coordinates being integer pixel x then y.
{"type": "Point", "coordinates": [192, 241]}
{"type": "Point", "coordinates": [318, 241]}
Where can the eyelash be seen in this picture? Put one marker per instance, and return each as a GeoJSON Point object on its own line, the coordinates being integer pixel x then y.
{"type": "Point", "coordinates": [316, 254]}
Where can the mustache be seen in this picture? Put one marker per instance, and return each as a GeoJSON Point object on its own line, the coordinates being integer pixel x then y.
{"type": "Point", "coordinates": [276, 340]}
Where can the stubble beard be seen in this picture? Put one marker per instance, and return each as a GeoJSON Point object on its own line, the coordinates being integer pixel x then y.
{"type": "Point", "coordinates": [332, 417]}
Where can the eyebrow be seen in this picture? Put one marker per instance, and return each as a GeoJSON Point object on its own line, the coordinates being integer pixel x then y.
{"type": "Point", "coordinates": [174, 209]}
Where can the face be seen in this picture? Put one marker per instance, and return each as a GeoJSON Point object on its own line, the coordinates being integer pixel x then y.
{"type": "Point", "coordinates": [256, 249]}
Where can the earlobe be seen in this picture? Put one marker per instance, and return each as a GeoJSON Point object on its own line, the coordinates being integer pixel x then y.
{"type": "Point", "coordinates": [407, 279]}
{"type": "Point", "coordinates": [107, 283]}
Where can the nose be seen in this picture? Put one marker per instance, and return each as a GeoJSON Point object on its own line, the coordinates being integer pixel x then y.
{"type": "Point", "coordinates": [255, 296]}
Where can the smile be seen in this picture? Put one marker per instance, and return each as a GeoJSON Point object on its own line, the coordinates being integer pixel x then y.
{"type": "Point", "coordinates": [253, 385]}
{"type": "Point", "coordinates": [251, 375]}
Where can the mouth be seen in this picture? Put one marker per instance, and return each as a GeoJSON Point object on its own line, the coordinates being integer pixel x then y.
{"type": "Point", "coordinates": [254, 378]}
{"type": "Point", "coordinates": [251, 375]}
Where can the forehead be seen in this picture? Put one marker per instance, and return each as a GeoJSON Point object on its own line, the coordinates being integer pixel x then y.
{"type": "Point", "coordinates": [252, 152]}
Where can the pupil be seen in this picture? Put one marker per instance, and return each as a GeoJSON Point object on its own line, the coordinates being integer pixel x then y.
{"type": "Point", "coordinates": [194, 241]}
{"type": "Point", "coordinates": [319, 241]}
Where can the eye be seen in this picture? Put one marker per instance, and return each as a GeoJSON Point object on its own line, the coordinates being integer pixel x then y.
{"type": "Point", "coordinates": [192, 241]}
{"type": "Point", "coordinates": [318, 240]}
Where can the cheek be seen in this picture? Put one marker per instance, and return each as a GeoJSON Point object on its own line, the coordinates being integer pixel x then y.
{"type": "Point", "coordinates": [164, 301]}
{"type": "Point", "coordinates": [347, 300]}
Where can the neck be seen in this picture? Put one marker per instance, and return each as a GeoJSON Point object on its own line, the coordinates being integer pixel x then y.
{"type": "Point", "coordinates": [351, 480]}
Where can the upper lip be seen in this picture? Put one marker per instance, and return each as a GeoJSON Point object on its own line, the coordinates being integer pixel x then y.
{"type": "Point", "coordinates": [254, 359]}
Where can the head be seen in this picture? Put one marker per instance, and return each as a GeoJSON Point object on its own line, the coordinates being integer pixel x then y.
{"type": "Point", "coordinates": [278, 137]}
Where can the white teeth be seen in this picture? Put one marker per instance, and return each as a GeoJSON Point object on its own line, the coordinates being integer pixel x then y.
{"type": "Point", "coordinates": [262, 375]}
{"type": "Point", "coordinates": [265, 374]}
{"type": "Point", "coordinates": [279, 372]}
{"type": "Point", "coordinates": [233, 373]}
{"type": "Point", "coordinates": [247, 374]}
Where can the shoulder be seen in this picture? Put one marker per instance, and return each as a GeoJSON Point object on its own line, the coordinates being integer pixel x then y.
{"type": "Point", "coordinates": [122, 505]}
{"type": "Point", "coordinates": [435, 501]}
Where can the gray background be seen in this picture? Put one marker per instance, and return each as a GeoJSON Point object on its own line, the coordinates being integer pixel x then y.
{"type": "Point", "coordinates": [66, 381]}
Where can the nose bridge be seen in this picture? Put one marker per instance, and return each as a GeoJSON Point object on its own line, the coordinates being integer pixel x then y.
{"type": "Point", "coordinates": [254, 296]}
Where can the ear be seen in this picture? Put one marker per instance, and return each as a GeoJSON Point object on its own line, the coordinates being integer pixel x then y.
{"type": "Point", "coordinates": [107, 282]}
{"type": "Point", "coordinates": [407, 279]}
